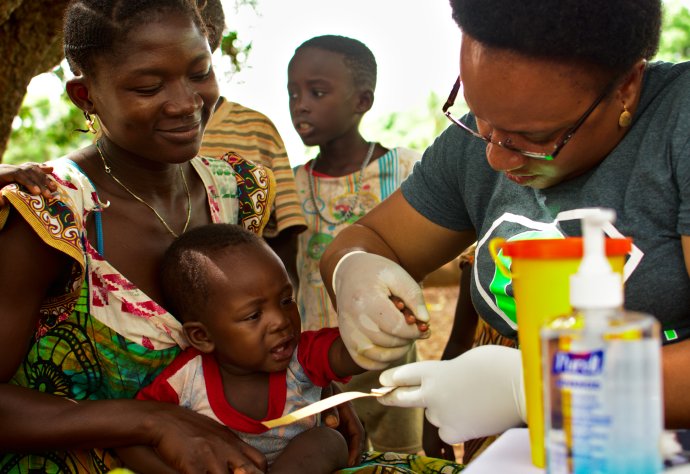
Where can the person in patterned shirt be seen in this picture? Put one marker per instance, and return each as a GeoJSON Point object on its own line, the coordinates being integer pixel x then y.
{"type": "Point", "coordinates": [83, 323]}
{"type": "Point", "coordinates": [252, 135]}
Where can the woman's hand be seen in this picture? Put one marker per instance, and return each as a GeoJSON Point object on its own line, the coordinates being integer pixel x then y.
{"type": "Point", "coordinates": [479, 393]}
{"type": "Point", "coordinates": [371, 324]}
{"type": "Point", "coordinates": [344, 419]}
{"type": "Point", "coordinates": [193, 443]}
{"type": "Point", "coordinates": [33, 176]}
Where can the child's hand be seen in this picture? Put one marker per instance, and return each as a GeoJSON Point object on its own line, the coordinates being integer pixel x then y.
{"type": "Point", "coordinates": [33, 176]}
{"type": "Point", "coordinates": [410, 317]}
{"type": "Point", "coordinates": [344, 419]}
{"type": "Point", "coordinates": [330, 417]}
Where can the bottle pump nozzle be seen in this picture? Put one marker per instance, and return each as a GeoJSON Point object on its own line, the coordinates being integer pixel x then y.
{"type": "Point", "coordinates": [595, 285]}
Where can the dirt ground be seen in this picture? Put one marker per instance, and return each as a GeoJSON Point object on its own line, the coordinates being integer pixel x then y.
{"type": "Point", "coordinates": [441, 304]}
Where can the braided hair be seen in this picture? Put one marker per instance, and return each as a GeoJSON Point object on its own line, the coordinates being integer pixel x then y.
{"type": "Point", "coordinates": [358, 57]}
{"type": "Point", "coordinates": [214, 19]}
{"type": "Point", "coordinates": [93, 27]}
{"type": "Point", "coordinates": [610, 35]}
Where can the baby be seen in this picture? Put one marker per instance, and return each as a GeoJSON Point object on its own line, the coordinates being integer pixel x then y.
{"type": "Point", "coordinates": [249, 360]}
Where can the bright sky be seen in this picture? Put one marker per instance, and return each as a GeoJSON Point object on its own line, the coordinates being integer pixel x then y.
{"type": "Point", "coordinates": [416, 44]}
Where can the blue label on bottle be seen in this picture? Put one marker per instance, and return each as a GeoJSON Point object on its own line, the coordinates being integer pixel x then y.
{"type": "Point", "coordinates": [586, 363]}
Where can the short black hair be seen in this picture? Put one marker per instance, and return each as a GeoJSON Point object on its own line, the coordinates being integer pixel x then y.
{"type": "Point", "coordinates": [93, 27]}
{"type": "Point", "coordinates": [184, 281]}
{"type": "Point", "coordinates": [214, 18]}
{"type": "Point", "coordinates": [358, 57]}
{"type": "Point", "coordinates": [610, 35]}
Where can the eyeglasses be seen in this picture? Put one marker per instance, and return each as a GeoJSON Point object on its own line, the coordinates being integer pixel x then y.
{"type": "Point", "coordinates": [507, 143]}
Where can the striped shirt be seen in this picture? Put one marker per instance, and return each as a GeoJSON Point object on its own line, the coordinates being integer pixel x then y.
{"type": "Point", "coordinates": [252, 135]}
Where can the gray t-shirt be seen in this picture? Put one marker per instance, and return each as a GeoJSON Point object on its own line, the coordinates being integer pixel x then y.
{"type": "Point", "coordinates": [646, 179]}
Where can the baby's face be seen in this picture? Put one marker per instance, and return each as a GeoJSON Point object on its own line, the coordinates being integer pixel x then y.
{"type": "Point", "coordinates": [252, 316]}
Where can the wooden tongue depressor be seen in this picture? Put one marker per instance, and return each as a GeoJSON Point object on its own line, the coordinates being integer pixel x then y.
{"type": "Point", "coordinates": [325, 404]}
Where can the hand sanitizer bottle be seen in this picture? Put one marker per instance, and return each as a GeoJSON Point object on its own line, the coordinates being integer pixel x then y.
{"type": "Point", "coordinates": [602, 373]}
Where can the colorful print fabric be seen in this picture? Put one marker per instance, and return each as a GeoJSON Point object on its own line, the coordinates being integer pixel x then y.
{"type": "Point", "coordinates": [101, 337]}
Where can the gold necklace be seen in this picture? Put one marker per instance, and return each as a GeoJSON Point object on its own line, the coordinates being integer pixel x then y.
{"type": "Point", "coordinates": [358, 189]}
{"type": "Point", "coordinates": [160, 218]}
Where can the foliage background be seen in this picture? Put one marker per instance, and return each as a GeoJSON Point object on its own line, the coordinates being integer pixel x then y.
{"type": "Point", "coordinates": [44, 129]}
{"type": "Point", "coordinates": [31, 44]}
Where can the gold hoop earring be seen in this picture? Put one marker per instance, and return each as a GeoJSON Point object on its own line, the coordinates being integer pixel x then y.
{"type": "Point", "coordinates": [89, 124]}
{"type": "Point", "coordinates": [625, 118]}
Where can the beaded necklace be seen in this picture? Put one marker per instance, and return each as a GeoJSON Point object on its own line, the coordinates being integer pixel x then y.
{"type": "Point", "coordinates": [358, 189]}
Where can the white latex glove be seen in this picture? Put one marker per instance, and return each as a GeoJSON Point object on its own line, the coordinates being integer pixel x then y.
{"type": "Point", "coordinates": [479, 393]}
{"type": "Point", "coordinates": [373, 329]}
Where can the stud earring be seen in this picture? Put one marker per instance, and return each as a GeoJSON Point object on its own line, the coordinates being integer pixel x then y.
{"type": "Point", "coordinates": [89, 124]}
{"type": "Point", "coordinates": [625, 118]}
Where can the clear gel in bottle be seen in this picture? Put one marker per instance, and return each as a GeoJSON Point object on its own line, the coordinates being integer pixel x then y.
{"type": "Point", "coordinates": [602, 373]}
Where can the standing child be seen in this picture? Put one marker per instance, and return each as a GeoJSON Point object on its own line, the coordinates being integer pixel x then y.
{"type": "Point", "coordinates": [331, 82]}
{"type": "Point", "coordinates": [248, 361]}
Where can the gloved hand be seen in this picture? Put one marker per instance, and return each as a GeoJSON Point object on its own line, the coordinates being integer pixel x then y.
{"type": "Point", "coordinates": [374, 330]}
{"type": "Point", "coordinates": [479, 393]}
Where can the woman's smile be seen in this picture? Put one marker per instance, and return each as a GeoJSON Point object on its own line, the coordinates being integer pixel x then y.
{"type": "Point", "coordinates": [183, 134]}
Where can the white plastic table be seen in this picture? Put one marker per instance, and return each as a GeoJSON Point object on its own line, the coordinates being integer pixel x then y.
{"type": "Point", "coordinates": [508, 454]}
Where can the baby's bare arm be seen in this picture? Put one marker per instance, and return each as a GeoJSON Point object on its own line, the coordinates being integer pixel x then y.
{"type": "Point", "coordinates": [143, 460]}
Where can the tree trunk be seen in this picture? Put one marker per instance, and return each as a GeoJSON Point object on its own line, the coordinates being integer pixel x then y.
{"type": "Point", "coordinates": [30, 43]}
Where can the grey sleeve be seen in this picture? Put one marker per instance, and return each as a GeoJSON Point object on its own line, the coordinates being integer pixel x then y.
{"type": "Point", "coordinates": [436, 187]}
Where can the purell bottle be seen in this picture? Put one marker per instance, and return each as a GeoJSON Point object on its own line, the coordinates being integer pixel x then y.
{"type": "Point", "coordinates": [602, 373]}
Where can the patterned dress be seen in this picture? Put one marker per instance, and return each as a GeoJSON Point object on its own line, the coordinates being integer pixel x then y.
{"type": "Point", "coordinates": [101, 337]}
{"type": "Point", "coordinates": [333, 198]}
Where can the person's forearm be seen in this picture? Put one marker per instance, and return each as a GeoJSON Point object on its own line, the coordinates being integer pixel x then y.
{"type": "Point", "coordinates": [395, 230]}
{"type": "Point", "coordinates": [341, 361]}
{"type": "Point", "coordinates": [352, 238]}
{"type": "Point", "coordinates": [465, 319]}
{"type": "Point", "coordinates": [675, 359]}
{"type": "Point", "coordinates": [143, 460]}
{"type": "Point", "coordinates": [25, 414]}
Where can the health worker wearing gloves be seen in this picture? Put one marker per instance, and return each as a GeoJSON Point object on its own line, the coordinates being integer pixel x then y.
{"type": "Point", "coordinates": [566, 112]}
